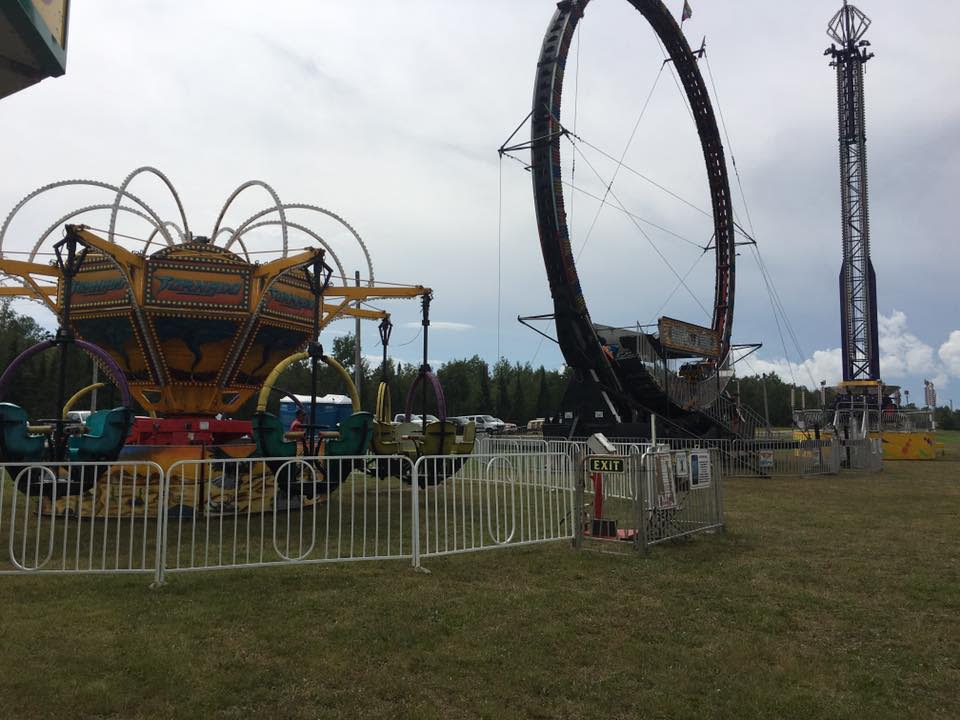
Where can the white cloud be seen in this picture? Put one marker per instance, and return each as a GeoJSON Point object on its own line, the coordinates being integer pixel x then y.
{"type": "Point", "coordinates": [442, 325]}
{"type": "Point", "coordinates": [950, 354]}
{"type": "Point", "coordinates": [902, 356]}
{"type": "Point", "coordinates": [901, 352]}
{"type": "Point", "coordinates": [823, 365]}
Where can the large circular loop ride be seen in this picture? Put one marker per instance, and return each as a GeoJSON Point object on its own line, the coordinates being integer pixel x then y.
{"type": "Point", "coordinates": [582, 348]}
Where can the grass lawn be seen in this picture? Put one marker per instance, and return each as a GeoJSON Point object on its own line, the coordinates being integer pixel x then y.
{"type": "Point", "coordinates": [834, 597]}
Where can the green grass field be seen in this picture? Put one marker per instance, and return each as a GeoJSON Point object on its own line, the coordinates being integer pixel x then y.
{"type": "Point", "coordinates": [828, 597]}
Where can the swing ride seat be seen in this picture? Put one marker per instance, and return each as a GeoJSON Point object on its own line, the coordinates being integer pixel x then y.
{"type": "Point", "coordinates": [106, 434]}
{"type": "Point", "coordinates": [356, 432]}
{"type": "Point", "coordinates": [465, 445]}
{"type": "Point", "coordinates": [268, 435]}
{"type": "Point", "coordinates": [386, 439]}
{"type": "Point", "coordinates": [439, 439]}
{"type": "Point", "coordinates": [17, 444]}
{"type": "Point", "coordinates": [407, 445]}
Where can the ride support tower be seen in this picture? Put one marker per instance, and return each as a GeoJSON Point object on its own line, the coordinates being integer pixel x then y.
{"type": "Point", "coordinates": [858, 283]}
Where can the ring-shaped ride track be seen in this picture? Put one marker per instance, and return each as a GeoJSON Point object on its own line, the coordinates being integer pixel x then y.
{"type": "Point", "coordinates": [582, 348]}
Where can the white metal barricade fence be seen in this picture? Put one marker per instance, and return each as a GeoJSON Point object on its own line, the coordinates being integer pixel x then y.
{"type": "Point", "coordinates": [509, 444]}
{"type": "Point", "coordinates": [864, 454]}
{"type": "Point", "coordinates": [254, 512]}
{"type": "Point", "coordinates": [653, 496]}
{"type": "Point", "coordinates": [762, 457]}
{"type": "Point", "coordinates": [80, 517]}
{"type": "Point", "coordinates": [681, 493]}
{"type": "Point", "coordinates": [490, 501]}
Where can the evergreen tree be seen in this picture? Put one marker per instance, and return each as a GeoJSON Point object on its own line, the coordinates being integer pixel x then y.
{"type": "Point", "coordinates": [541, 407]}
{"type": "Point", "coordinates": [486, 401]}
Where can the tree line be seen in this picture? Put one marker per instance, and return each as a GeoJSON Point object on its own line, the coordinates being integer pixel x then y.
{"type": "Point", "coordinates": [514, 392]}
{"type": "Point", "coordinates": [34, 384]}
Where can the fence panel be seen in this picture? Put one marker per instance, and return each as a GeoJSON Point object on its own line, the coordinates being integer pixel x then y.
{"type": "Point", "coordinates": [255, 512]}
{"type": "Point", "coordinates": [763, 457]}
{"type": "Point", "coordinates": [513, 444]}
{"type": "Point", "coordinates": [484, 502]}
{"type": "Point", "coordinates": [864, 454]}
{"type": "Point", "coordinates": [232, 513]}
{"type": "Point", "coordinates": [80, 517]}
{"type": "Point", "coordinates": [681, 493]}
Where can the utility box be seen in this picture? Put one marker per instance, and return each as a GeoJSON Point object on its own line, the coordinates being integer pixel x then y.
{"type": "Point", "coordinates": [599, 445]}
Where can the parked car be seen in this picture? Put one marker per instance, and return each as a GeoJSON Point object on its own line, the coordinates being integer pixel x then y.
{"type": "Point", "coordinates": [460, 421]}
{"type": "Point", "coordinates": [486, 423]}
{"type": "Point", "coordinates": [509, 427]}
{"type": "Point", "coordinates": [402, 417]}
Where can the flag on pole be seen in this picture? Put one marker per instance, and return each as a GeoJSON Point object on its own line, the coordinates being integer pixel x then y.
{"type": "Point", "coordinates": [687, 12]}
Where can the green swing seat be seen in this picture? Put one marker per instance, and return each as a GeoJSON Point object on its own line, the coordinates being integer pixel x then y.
{"type": "Point", "coordinates": [356, 433]}
{"type": "Point", "coordinates": [17, 444]}
{"type": "Point", "coordinates": [106, 434]}
{"type": "Point", "coordinates": [268, 434]}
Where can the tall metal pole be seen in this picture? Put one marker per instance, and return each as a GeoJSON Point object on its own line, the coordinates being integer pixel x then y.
{"type": "Point", "coordinates": [382, 409]}
{"type": "Point", "coordinates": [858, 294]}
{"type": "Point", "coordinates": [356, 345]}
{"type": "Point", "coordinates": [386, 329]}
{"type": "Point", "coordinates": [68, 260]}
{"type": "Point", "coordinates": [425, 368]}
{"type": "Point", "coordinates": [318, 278]}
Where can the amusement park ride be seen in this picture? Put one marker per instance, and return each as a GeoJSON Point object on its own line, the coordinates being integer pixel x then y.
{"type": "Point", "coordinates": [864, 405]}
{"type": "Point", "coordinates": [623, 378]}
{"type": "Point", "coordinates": [189, 328]}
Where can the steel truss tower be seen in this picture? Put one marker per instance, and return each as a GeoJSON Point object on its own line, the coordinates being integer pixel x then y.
{"type": "Point", "coordinates": [858, 284]}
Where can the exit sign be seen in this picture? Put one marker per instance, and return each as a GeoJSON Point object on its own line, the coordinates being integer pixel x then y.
{"type": "Point", "coordinates": [605, 464]}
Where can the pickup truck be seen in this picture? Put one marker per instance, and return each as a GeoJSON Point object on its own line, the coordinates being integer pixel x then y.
{"type": "Point", "coordinates": [486, 423]}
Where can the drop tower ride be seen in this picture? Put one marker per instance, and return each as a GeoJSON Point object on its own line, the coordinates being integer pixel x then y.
{"type": "Point", "coordinates": [858, 283]}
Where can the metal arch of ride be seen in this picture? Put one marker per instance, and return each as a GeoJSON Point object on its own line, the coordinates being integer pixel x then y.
{"type": "Point", "coordinates": [155, 219]}
{"type": "Point", "coordinates": [296, 226]}
{"type": "Point", "coordinates": [277, 206]}
{"type": "Point", "coordinates": [246, 225]}
{"type": "Point", "coordinates": [434, 382]}
{"type": "Point", "coordinates": [270, 382]}
{"type": "Point", "coordinates": [160, 226]}
{"type": "Point", "coordinates": [185, 233]}
{"type": "Point", "coordinates": [577, 336]}
{"type": "Point", "coordinates": [116, 374]}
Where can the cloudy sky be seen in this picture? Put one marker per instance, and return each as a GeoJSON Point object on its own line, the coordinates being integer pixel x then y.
{"type": "Point", "coordinates": [390, 113]}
